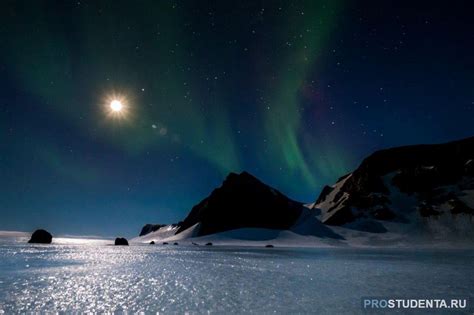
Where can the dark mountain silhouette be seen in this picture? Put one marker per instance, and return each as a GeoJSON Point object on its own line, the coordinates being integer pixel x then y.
{"type": "Point", "coordinates": [242, 201]}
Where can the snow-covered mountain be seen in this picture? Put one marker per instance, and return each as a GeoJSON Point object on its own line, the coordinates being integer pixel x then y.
{"type": "Point", "coordinates": [242, 202]}
{"type": "Point", "coordinates": [413, 194]}
{"type": "Point", "coordinates": [420, 189]}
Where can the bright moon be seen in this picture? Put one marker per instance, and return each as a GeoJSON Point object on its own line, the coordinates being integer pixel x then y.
{"type": "Point", "coordinates": [116, 105]}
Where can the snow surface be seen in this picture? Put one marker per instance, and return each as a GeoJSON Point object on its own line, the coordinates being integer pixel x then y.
{"type": "Point", "coordinates": [220, 280]}
{"type": "Point", "coordinates": [9, 234]}
{"type": "Point", "coordinates": [9, 237]}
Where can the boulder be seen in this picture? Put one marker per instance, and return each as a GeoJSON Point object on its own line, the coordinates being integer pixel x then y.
{"type": "Point", "coordinates": [269, 246]}
{"type": "Point", "coordinates": [41, 237]}
{"type": "Point", "coordinates": [120, 241]}
{"type": "Point", "coordinates": [427, 210]}
{"type": "Point", "coordinates": [209, 244]}
{"type": "Point", "coordinates": [152, 243]}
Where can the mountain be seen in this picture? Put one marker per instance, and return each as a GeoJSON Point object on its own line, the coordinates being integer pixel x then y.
{"type": "Point", "coordinates": [427, 187]}
{"type": "Point", "coordinates": [419, 194]}
{"type": "Point", "coordinates": [242, 202]}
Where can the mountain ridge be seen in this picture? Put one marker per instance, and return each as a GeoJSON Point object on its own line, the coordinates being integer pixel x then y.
{"type": "Point", "coordinates": [414, 189]}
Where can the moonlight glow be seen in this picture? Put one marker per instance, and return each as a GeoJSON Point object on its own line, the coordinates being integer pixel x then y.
{"type": "Point", "coordinates": [116, 105]}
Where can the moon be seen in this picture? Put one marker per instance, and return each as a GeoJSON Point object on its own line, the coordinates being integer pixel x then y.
{"type": "Point", "coordinates": [116, 105]}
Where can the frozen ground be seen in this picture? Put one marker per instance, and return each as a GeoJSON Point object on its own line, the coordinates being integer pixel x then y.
{"type": "Point", "coordinates": [92, 276]}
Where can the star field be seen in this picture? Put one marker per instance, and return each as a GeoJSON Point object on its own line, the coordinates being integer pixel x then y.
{"type": "Point", "coordinates": [295, 92]}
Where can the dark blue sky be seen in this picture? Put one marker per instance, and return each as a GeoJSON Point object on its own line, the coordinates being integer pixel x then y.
{"type": "Point", "coordinates": [295, 92]}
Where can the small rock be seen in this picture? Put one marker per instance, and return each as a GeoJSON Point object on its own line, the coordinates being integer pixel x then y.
{"type": "Point", "coordinates": [120, 241]}
{"type": "Point", "coordinates": [175, 244]}
{"type": "Point", "coordinates": [269, 246]}
{"type": "Point", "coordinates": [41, 237]}
{"type": "Point", "coordinates": [152, 243]}
{"type": "Point", "coordinates": [209, 244]}
{"type": "Point", "coordinates": [427, 210]}
{"type": "Point", "coordinates": [165, 243]}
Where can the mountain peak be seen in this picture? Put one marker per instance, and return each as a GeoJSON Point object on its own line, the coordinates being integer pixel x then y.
{"type": "Point", "coordinates": [243, 201]}
{"type": "Point", "coordinates": [240, 176]}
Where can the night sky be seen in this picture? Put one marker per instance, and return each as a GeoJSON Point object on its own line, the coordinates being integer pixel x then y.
{"type": "Point", "coordinates": [295, 92]}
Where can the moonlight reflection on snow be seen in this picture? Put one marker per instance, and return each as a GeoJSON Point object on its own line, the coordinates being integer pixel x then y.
{"type": "Point", "coordinates": [102, 278]}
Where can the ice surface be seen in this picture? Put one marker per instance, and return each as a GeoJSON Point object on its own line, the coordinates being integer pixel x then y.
{"type": "Point", "coordinates": [201, 279]}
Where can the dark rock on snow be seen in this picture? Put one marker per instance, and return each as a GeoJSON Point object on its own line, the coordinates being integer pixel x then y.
{"type": "Point", "coordinates": [120, 241]}
{"type": "Point", "coordinates": [165, 243]}
{"type": "Point", "coordinates": [269, 246]}
{"type": "Point", "coordinates": [152, 243]}
{"type": "Point", "coordinates": [41, 237]}
{"type": "Point", "coordinates": [426, 210]}
{"type": "Point", "coordinates": [209, 244]}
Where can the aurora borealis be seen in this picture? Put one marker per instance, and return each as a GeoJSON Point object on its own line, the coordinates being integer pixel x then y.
{"type": "Point", "coordinates": [295, 92]}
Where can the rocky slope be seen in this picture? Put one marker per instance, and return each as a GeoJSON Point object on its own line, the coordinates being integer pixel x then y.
{"type": "Point", "coordinates": [432, 185]}
{"type": "Point", "coordinates": [149, 228]}
{"type": "Point", "coordinates": [419, 193]}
